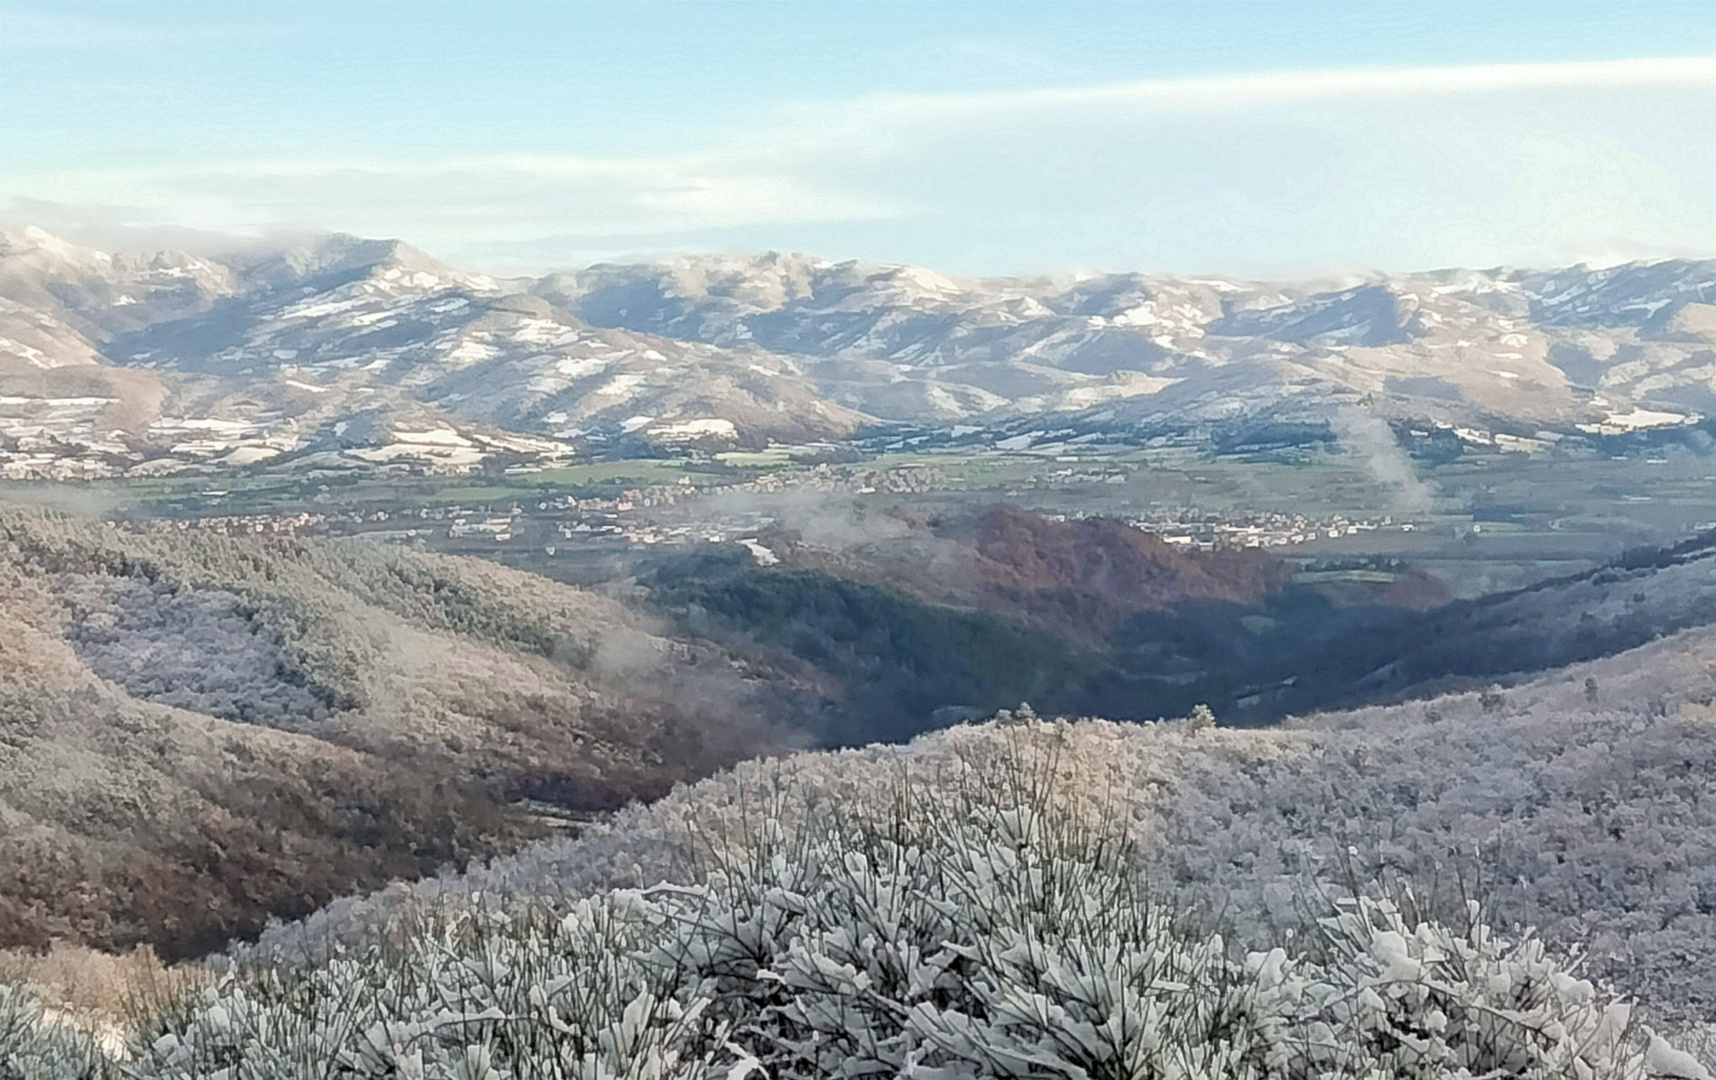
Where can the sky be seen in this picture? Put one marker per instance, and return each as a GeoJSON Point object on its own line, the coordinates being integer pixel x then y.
{"type": "Point", "coordinates": [1262, 139]}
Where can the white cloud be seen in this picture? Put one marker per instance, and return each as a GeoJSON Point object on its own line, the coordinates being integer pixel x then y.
{"type": "Point", "coordinates": [1253, 173]}
{"type": "Point", "coordinates": [1274, 88]}
{"type": "Point", "coordinates": [500, 197]}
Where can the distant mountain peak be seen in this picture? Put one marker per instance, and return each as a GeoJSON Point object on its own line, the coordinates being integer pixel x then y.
{"type": "Point", "coordinates": [48, 251]}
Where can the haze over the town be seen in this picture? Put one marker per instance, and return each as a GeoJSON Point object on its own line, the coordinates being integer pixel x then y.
{"type": "Point", "coordinates": [1279, 140]}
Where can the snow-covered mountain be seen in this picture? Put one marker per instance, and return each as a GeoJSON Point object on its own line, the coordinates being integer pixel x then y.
{"type": "Point", "coordinates": [1522, 350]}
{"type": "Point", "coordinates": [366, 351]}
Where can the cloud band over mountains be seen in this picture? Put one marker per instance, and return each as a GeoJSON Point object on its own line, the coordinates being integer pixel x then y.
{"type": "Point", "coordinates": [1260, 173]}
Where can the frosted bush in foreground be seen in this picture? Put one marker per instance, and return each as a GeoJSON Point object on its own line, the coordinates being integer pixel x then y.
{"type": "Point", "coordinates": [34, 1046]}
{"type": "Point", "coordinates": [1001, 943]}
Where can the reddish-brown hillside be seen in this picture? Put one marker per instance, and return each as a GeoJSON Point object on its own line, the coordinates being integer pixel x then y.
{"type": "Point", "coordinates": [1087, 575]}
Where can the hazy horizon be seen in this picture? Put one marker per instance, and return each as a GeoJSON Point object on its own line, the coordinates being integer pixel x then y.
{"type": "Point", "coordinates": [1258, 141]}
{"type": "Point", "coordinates": [143, 241]}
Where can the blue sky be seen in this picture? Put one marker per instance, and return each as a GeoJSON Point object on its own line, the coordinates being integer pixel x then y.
{"type": "Point", "coordinates": [1253, 139]}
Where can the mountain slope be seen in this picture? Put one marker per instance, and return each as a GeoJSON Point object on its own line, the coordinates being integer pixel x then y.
{"type": "Point", "coordinates": [369, 353]}
{"type": "Point", "coordinates": [1476, 348]}
{"type": "Point", "coordinates": [1579, 803]}
{"type": "Point", "coordinates": [198, 732]}
{"type": "Point", "coordinates": [365, 349]}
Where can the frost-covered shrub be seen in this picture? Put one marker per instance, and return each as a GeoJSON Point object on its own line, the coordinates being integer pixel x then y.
{"type": "Point", "coordinates": [1591, 824]}
{"type": "Point", "coordinates": [834, 950]}
{"type": "Point", "coordinates": [34, 1046]}
{"type": "Point", "coordinates": [1396, 996]}
{"type": "Point", "coordinates": [1004, 941]}
{"type": "Point", "coordinates": [482, 994]}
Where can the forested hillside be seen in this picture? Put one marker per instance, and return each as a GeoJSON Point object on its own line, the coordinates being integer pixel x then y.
{"type": "Point", "coordinates": [1580, 803]}
{"type": "Point", "coordinates": [309, 718]}
{"type": "Point", "coordinates": [197, 732]}
{"type": "Point", "coordinates": [264, 723]}
{"type": "Point", "coordinates": [920, 620]}
{"type": "Point", "coordinates": [1353, 895]}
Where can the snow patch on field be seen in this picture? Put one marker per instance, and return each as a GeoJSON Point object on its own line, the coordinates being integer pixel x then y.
{"type": "Point", "coordinates": [1619, 423]}
{"type": "Point", "coordinates": [686, 430]}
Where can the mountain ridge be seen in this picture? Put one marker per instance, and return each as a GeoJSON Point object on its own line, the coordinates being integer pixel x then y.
{"type": "Point", "coordinates": [372, 354]}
